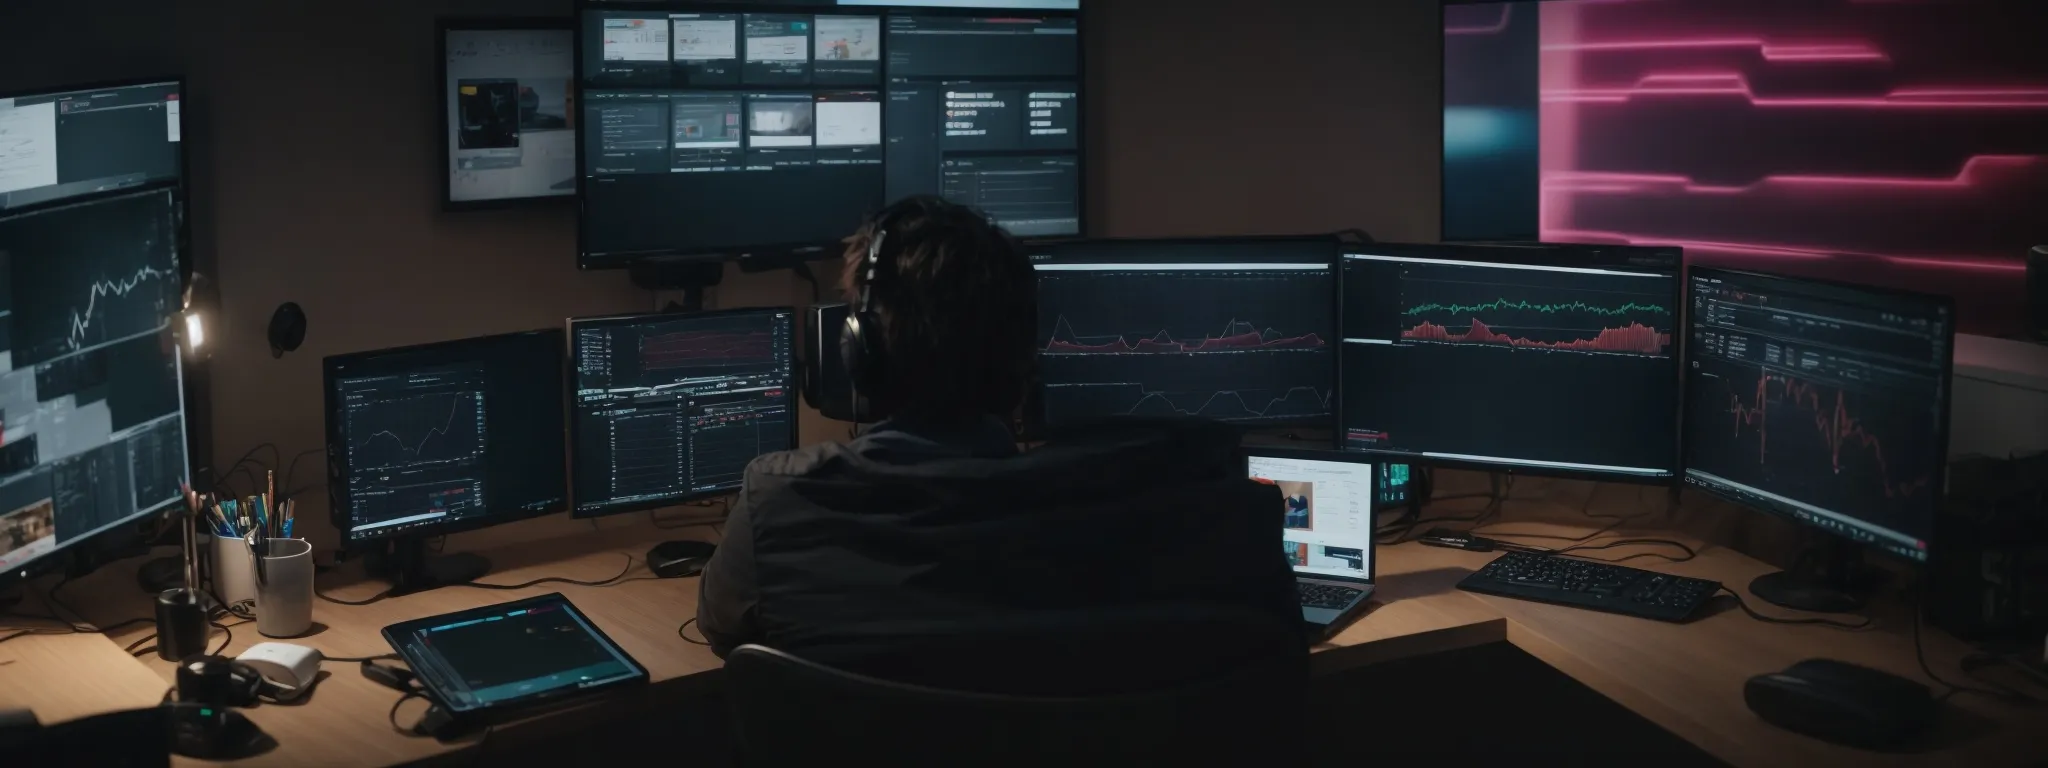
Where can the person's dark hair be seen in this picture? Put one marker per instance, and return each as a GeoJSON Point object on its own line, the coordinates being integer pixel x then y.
{"type": "Point", "coordinates": [958, 308]}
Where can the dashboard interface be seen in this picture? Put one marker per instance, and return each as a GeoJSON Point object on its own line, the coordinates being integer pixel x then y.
{"type": "Point", "coordinates": [1460, 355]}
{"type": "Point", "coordinates": [1819, 402]}
{"type": "Point", "coordinates": [708, 128]}
{"type": "Point", "coordinates": [671, 407]}
{"type": "Point", "coordinates": [1233, 330]}
{"type": "Point", "coordinates": [442, 436]}
{"type": "Point", "coordinates": [91, 277]}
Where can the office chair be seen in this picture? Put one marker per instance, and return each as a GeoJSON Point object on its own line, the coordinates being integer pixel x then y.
{"type": "Point", "coordinates": [790, 711]}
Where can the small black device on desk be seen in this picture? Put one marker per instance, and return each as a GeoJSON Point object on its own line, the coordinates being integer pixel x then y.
{"type": "Point", "coordinates": [1587, 584]}
{"type": "Point", "coordinates": [482, 664]}
{"type": "Point", "coordinates": [1843, 703]}
{"type": "Point", "coordinates": [679, 559]}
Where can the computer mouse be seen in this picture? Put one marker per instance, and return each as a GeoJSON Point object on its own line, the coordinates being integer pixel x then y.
{"type": "Point", "coordinates": [1842, 703]}
{"type": "Point", "coordinates": [208, 732]}
{"type": "Point", "coordinates": [678, 559]}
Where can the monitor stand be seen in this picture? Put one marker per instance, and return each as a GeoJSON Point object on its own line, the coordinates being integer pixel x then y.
{"type": "Point", "coordinates": [1831, 579]}
{"type": "Point", "coordinates": [411, 568]}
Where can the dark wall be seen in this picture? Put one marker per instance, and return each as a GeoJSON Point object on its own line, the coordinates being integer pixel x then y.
{"type": "Point", "coordinates": [315, 175]}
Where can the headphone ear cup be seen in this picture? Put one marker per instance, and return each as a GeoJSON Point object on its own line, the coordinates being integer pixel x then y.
{"type": "Point", "coordinates": [852, 350]}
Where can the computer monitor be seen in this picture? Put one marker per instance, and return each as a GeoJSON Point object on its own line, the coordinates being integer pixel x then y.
{"type": "Point", "coordinates": [1823, 403]}
{"type": "Point", "coordinates": [506, 120]}
{"type": "Point", "coordinates": [428, 440]}
{"type": "Point", "coordinates": [722, 130]}
{"type": "Point", "coordinates": [1552, 361]}
{"type": "Point", "coordinates": [86, 141]}
{"type": "Point", "coordinates": [1897, 145]}
{"type": "Point", "coordinates": [1327, 520]}
{"type": "Point", "coordinates": [1236, 330]}
{"type": "Point", "coordinates": [669, 408]}
{"type": "Point", "coordinates": [92, 242]}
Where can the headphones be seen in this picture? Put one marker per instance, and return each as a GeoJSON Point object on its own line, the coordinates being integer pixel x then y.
{"type": "Point", "coordinates": [860, 343]}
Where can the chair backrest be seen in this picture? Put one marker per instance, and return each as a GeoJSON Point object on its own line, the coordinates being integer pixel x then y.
{"type": "Point", "coordinates": [789, 711]}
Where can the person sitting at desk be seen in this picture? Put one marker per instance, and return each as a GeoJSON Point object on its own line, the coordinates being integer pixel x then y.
{"type": "Point", "coordinates": [930, 550]}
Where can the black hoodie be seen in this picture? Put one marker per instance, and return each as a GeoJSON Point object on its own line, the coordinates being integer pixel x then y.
{"type": "Point", "coordinates": [947, 558]}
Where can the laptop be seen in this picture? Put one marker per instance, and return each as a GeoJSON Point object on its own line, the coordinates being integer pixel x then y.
{"type": "Point", "coordinates": [1326, 529]}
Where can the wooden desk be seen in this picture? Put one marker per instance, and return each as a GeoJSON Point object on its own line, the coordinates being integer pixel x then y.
{"type": "Point", "coordinates": [348, 715]}
{"type": "Point", "coordinates": [1687, 678]}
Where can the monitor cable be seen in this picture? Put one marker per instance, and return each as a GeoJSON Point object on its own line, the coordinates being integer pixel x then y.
{"type": "Point", "coordinates": [553, 580]}
{"type": "Point", "coordinates": [686, 638]}
{"type": "Point", "coordinates": [242, 466]}
{"type": "Point", "coordinates": [292, 470]}
{"type": "Point", "coordinates": [365, 601]}
{"type": "Point", "coordinates": [1996, 691]}
{"type": "Point", "coordinates": [57, 612]}
{"type": "Point", "coordinates": [1402, 529]}
{"type": "Point", "coordinates": [1866, 623]}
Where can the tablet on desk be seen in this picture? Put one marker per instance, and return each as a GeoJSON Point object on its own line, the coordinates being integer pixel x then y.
{"type": "Point", "coordinates": [511, 656]}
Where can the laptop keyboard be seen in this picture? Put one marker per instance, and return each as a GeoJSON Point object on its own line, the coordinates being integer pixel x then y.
{"type": "Point", "coordinates": [1328, 596]}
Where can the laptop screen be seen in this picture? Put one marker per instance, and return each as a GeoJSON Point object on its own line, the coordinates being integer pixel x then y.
{"type": "Point", "coordinates": [1327, 523]}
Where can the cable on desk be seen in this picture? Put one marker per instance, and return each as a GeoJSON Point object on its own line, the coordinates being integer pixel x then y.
{"type": "Point", "coordinates": [1497, 498]}
{"type": "Point", "coordinates": [1996, 692]}
{"type": "Point", "coordinates": [226, 636]}
{"type": "Point", "coordinates": [686, 638]}
{"type": "Point", "coordinates": [408, 696]}
{"type": "Point", "coordinates": [554, 580]}
{"type": "Point", "coordinates": [1829, 623]}
{"type": "Point", "coordinates": [339, 601]}
{"type": "Point", "coordinates": [26, 631]}
{"type": "Point", "coordinates": [1690, 553]}
{"type": "Point", "coordinates": [359, 659]}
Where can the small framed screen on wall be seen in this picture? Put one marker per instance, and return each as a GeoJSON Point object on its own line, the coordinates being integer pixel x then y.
{"type": "Point", "coordinates": [507, 122]}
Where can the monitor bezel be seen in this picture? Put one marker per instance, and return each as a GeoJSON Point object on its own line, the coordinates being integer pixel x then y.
{"type": "Point", "coordinates": [1373, 465]}
{"type": "Point", "coordinates": [1542, 254]}
{"type": "Point", "coordinates": [1035, 426]}
{"type": "Point", "coordinates": [575, 423]}
{"type": "Point", "coordinates": [771, 255]}
{"type": "Point", "coordinates": [1938, 478]}
{"type": "Point", "coordinates": [337, 471]}
{"type": "Point", "coordinates": [442, 27]}
{"type": "Point", "coordinates": [198, 461]}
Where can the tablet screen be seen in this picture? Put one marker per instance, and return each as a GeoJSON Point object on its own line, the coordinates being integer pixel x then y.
{"type": "Point", "coordinates": [511, 653]}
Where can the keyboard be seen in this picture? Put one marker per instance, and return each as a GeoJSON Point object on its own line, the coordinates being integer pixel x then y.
{"type": "Point", "coordinates": [1586, 584]}
{"type": "Point", "coordinates": [1328, 596]}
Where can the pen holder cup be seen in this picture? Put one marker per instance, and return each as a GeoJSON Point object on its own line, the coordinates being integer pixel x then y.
{"type": "Point", "coordinates": [284, 594]}
{"type": "Point", "coordinates": [234, 572]}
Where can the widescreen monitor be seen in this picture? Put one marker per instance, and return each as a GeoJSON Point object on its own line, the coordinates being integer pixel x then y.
{"type": "Point", "coordinates": [1820, 402]}
{"type": "Point", "coordinates": [1900, 143]}
{"type": "Point", "coordinates": [1236, 330]}
{"type": "Point", "coordinates": [92, 243]}
{"type": "Point", "coordinates": [438, 438]}
{"type": "Point", "coordinates": [672, 407]}
{"type": "Point", "coordinates": [722, 130]}
{"type": "Point", "coordinates": [1553, 361]}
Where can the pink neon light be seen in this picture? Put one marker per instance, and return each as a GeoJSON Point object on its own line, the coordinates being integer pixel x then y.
{"type": "Point", "coordinates": [1735, 84]}
{"type": "Point", "coordinates": [1770, 52]}
{"type": "Point", "coordinates": [1601, 181]}
{"type": "Point", "coordinates": [1787, 251]}
{"type": "Point", "coordinates": [1506, 12]}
